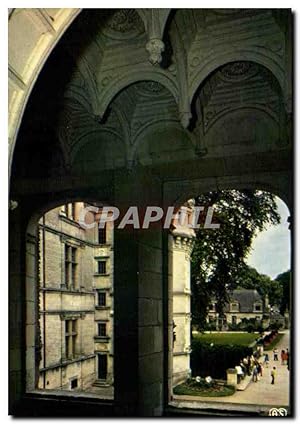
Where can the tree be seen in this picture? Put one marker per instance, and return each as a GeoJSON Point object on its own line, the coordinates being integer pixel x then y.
{"type": "Point", "coordinates": [250, 278]}
{"type": "Point", "coordinates": [284, 281]}
{"type": "Point", "coordinates": [218, 256]}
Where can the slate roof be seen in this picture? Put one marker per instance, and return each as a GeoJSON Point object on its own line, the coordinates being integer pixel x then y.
{"type": "Point", "coordinates": [246, 299]}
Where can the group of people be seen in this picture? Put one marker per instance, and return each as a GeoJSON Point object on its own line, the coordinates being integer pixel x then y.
{"type": "Point", "coordinates": [257, 371]}
{"type": "Point", "coordinates": [251, 364]}
{"type": "Point", "coordinates": [285, 359]}
{"type": "Point", "coordinates": [285, 356]}
{"type": "Point", "coordinates": [248, 365]}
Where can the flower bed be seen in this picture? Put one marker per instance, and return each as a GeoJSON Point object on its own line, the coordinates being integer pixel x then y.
{"type": "Point", "coordinates": [203, 387]}
{"type": "Point", "coordinates": [271, 340]}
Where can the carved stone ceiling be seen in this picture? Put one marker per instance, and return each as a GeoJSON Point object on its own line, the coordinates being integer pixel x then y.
{"type": "Point", "coordinates": [123, 77]}
{"type": "Point", "coordinates": [238, 85]}
{"type": "Point", "coordinates": [124, 24]}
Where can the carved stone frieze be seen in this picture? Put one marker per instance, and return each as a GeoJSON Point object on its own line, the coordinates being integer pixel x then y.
{"type": "Point", "coordinates": [185, 244]}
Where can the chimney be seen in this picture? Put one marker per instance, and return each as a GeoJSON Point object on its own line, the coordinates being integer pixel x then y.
{"type": "Point", "coordinates": [267, 302]}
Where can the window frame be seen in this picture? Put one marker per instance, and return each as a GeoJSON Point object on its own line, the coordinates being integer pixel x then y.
{"type": "Point", "coordinates": [212, 307]}
{"type": "Point", "coordinates": [102, 235]}
{"type": "Point", "coordinates": [102, 325]}
{"type": "Point", "coordinates": [257, 305]}
{"type": "Point", "coordinates": [71, 267]}
{"type": "Point", "coordinates": [234, 306]}
{"type": "Point", "coordinates": [102, 262]}
{"type": "Point", "coordinates": [99, 304]}
{"type": "Point", "coordinates": [71, 335]}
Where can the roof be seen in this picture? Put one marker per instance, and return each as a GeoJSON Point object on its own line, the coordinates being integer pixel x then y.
{"type": "Point", "coordinates": [246, 299]}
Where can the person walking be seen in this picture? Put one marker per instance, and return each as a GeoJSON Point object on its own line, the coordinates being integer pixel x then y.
{"type": "Point", "coordinates": [267, 360]}
{"type": "Point", "coordinates": [273, 375]}
{"type": "Point", "coordinates": [275, 353]}
{"type": "Point", "coordinates": [248, 365]}
{"type": "Point", "coordinates": [240, 373]}
{"type": "Point", "coordinates": [255, 372]}
{"type": "Point", "coordinates": [282, 355]}
{"type": "Point", "coordinates": [260, 369]}
{"type": "Point", "coordinates": [244, 368]}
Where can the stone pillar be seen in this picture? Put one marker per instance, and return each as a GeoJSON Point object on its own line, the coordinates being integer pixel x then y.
{"type": "Point", "coordinates": [23, 304]}
{"type": "Point", "coordinates": [16, 296]}
{"type": "Point", "coordinates": [181, 245]}
{"type": "Point", "coordinates": [232, 377]}
{"type": "Point", "coordinates": [138, 299]}
{"type": "Point", "coordinates": [125, 323]}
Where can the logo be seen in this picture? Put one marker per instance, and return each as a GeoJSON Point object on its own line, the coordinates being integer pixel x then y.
{"type": "Point", "coordinates": [152, 214]}
{"type": "Point", "coordinates": [277, 412]}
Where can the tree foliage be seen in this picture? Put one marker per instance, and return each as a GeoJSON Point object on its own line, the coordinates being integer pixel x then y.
{"type": "Point", "coordinates": [284, 280]}
{"type": "Point", "coordinates": [250, 278]}
{"type": "Point", "coordinates": [219, 254]}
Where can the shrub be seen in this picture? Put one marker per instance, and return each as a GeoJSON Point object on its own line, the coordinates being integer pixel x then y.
{"type": "Point", "coordinates": [214, 360]}
{"type": "Point", "coordinates": [210, 326]}
{"type": "Point", "coordinates": [275, 326]}
{"type": "Point", "coordinates": [251, 325]}
{"type": "Point", "coordinates": [234, 327]}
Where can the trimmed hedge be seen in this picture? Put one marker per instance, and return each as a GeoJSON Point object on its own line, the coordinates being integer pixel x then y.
{"type": "Point", "coordinates": [214, 360]}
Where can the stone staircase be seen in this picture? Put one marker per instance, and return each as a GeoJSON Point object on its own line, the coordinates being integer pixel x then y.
{"type": "Point", "coordinates": [101, 383]}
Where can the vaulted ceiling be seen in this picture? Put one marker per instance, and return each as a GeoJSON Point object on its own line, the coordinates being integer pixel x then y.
{"type": "Point", "coordinates": [146, 86]}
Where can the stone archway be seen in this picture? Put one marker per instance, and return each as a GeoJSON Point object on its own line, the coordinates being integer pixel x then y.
{"type": "Point", "coordinates": [130, 156]}
{"type": "Point", "coordinates": [46, 28]}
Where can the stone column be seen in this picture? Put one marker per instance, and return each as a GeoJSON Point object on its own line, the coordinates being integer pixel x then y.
{"type": "Point", "coordinates": [16, 310]}
{"type": "Point", "coordinates": [23, 306]}
{"type": "Point", "coordinates": [232, 377]}
{"type": "Point", "coordinates": [138, 299]}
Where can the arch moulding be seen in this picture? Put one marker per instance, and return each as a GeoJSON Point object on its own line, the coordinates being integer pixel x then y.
{"type": "Point", "coordinates": [34, 33]}
{"type": "Point", "coordinates": [266, 59]}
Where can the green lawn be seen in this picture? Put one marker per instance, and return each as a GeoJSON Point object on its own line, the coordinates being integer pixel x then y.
{"type": "Point", "coordinates": [242, 339]}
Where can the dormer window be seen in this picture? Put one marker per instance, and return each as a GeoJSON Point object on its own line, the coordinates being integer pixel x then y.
{"type": "Point", "coordinates": [212, 306]}
{"type": "Point", "coordinates": [234, 307]}
{"type": "Point", "coordinates": [257, 307]}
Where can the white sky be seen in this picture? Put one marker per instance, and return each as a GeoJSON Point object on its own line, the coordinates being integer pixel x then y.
{"type": "Point", "coordinates": [271, 249]}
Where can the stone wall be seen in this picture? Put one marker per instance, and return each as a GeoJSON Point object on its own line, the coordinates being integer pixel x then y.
{"type": "Point", "coordinates": [59, 303]}
{"type": "Point", "coordinates": [180, 247]}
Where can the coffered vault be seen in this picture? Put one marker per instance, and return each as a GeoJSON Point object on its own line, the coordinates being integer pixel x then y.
{"type": "Point", "coordinates": [141, 107]}
{"type": "Point", "coordinates": [108, 51]}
